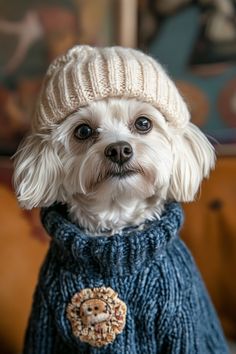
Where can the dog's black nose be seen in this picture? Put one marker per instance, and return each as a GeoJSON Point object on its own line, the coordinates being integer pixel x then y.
{"type": "Point", "coordinates": [119, 152]}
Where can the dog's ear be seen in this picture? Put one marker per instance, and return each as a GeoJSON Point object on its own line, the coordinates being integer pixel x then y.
{"type": "Point", "coordinates": [37, 172]}
{"type": "Point", "coordinates": [193, 158]}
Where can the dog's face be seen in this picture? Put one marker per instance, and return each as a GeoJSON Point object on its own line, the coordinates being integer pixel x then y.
{"type": "Point", "coordinates": [115, 148]}
{"type": "Point", "coordinates": [114, 162]}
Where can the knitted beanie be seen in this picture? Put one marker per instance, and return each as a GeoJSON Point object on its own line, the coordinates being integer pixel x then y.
{"type": "Point", "coordinates": [85, 74]}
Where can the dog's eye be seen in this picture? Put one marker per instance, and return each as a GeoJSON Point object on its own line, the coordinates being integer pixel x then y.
{"type": "Point", "coordinates": [83, 131]}
{"type": "Point", "coordinates": [143, 124]}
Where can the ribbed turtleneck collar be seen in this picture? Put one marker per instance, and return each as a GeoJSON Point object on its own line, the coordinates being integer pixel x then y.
{"type": "Point", "coordinates": [120, 254]}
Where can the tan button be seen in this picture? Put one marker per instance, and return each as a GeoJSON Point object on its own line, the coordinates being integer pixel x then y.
{"type": "Point", "coordinates": [96, 315]}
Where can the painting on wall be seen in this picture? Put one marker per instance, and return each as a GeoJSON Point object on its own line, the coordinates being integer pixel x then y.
{"type": "Point", "coordinates": [216, 41]}
{"type": "Point", "coordinates": [32, 35]}
{"type": "Point", "coordinates": [196, 42]}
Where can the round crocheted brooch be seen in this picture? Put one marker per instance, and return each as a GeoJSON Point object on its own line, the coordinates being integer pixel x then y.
{"type": "Point", "coordinates": [96, 315]}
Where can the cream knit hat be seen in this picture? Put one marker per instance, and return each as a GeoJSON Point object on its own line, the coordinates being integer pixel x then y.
{"type": "Point", "coordinates": [87, 73]}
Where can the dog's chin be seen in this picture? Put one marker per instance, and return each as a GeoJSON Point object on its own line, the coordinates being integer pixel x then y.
{"type": "Point", "coordinates": [122, 198]}
{"type": "Point", "coordinates": [119, 177]}
{"type": "Point", "coordinates": [120, 184]}
{"type": "Point", "coordinates": [113, 181]}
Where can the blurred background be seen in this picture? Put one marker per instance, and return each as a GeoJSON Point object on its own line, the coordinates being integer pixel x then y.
{"type": "Point", "coordinates": [195, 40]}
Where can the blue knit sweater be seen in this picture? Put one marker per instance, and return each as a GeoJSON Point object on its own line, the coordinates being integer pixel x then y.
{"type": "Point", "coordinates": [168, 309]}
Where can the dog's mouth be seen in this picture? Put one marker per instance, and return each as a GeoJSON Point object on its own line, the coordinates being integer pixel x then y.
{"type": "Point", "coordinates": [119, 173]}
{"type": "Point", "coordinates": [122, 174]}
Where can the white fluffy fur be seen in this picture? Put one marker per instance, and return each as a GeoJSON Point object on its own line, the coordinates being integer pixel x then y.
{"type": "Point", "coordinates": [169, 164]}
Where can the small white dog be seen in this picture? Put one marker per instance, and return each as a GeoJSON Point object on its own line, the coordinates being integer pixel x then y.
{"type": "Point", "coordinates": [114, 162]}
{"type": "Point", "coordinates": [110, 152]}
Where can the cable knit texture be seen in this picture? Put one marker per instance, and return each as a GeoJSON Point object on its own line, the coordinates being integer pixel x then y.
{"type": "Point", "coordinates": [168, 309]}
{"type": "Point", "coordinates": [85, 74]}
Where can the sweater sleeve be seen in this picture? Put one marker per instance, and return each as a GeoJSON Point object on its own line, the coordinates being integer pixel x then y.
{"type": "Point", "coordinates": [195, 328]}
{"type": "Point", "coordinates": [187, 336]}
{"type": "Point", "coordinates": [41, 333]}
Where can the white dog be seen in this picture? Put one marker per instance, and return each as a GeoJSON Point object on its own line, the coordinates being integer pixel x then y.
{"type": "Point", "coordinates": [110, 152]}
{"type": "Point", "coordinates": [114, 162]}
